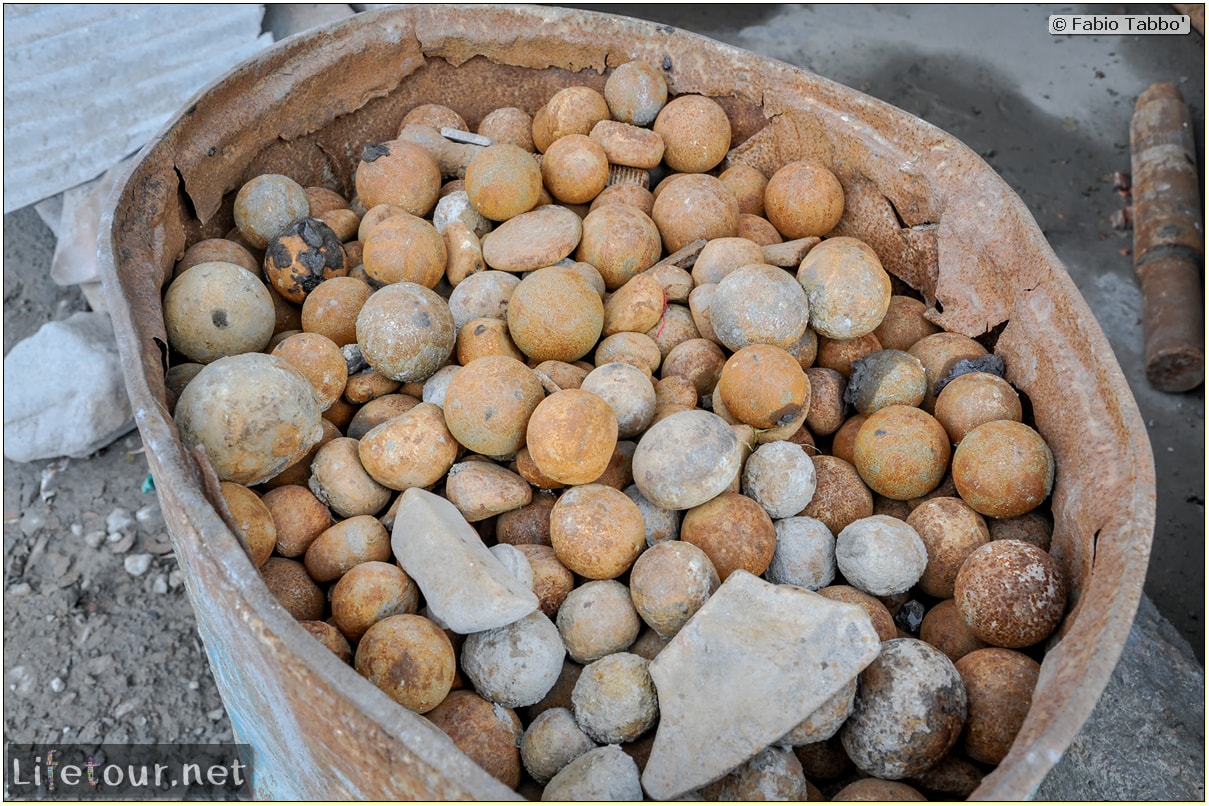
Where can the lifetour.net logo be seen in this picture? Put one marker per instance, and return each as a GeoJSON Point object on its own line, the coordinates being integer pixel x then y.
{"type": "Point", "coordinates": [127, 772]}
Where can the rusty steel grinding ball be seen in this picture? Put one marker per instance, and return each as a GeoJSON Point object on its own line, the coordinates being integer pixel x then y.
{"type": "Point", "coordinates": [405, 331]}
{"type": "Point", "coordinates": [1003, 469]}
{"type": "Point", "coordinates": [254, 414]}
{"type": "Point", "coordinates": [909, 711]}
{"type": "Point", "coordinates": [1011, 593]}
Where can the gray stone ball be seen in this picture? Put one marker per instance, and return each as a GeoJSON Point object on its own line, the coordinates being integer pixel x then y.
{"type": "Point", "coordinates": [552, 741]}
{"type": "Point", "coordinates": [880, 555]}
{"type": "Point", "coordinates": [805, 554]}
{"type": "Point", "coordinates": [517, 664]}
{"type": "Point", "coordinates": [605, 773]}
{"type": "Point", "coordinates": [614, 699]}
{"type": "Point", "coordinates": [780, 477]}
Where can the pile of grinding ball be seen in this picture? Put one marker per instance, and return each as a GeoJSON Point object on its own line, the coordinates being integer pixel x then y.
{"type": "Point", "coordinates": [608, 461]}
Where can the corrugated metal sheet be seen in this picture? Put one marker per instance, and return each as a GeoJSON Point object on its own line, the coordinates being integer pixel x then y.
{"type": "Point", "coordinates": [85, 85]}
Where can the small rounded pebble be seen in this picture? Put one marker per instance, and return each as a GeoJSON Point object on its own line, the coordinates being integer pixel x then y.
{"type": "Point", "coordinates": [695, 206]}
{"type": "Point", "coordinates": [345, 544]}
{"type": "Point", "coordinates": [571, 436]}
{"type": "Point", "coordinates": [299, 518]}
{"type": "Point", "coordinates": [629, 393]}
{"type": "Point", "coordinates": [669, 478]}
{"type": "Point", "coordinates": [254, 519]}
{"type": "Point", "coordinates": [944, 628]}
{"type": "Point", "coordinates": [293, 587]}
{"type": "Point", "coordinates": [331, 638]}
{"type": "Point", "coordinates": [596, 531]}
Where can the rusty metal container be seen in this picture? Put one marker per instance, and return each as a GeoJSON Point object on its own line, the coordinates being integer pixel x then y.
{"type": "Point", "coordinates": [938, 216]}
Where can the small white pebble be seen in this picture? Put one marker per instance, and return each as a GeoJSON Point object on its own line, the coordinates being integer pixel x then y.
{"type": "Point", "coordinates": [57, 685]}
{"type": "Point", "coordinates": [160, 585]}
{"type": "Point", "coordinates": [137, 564]}
{"type": "Point", "coordinates": [94, 539]}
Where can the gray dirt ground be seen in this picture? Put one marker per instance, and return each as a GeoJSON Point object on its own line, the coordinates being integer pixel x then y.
{"type": "Point", "coordinates": [92, 653]}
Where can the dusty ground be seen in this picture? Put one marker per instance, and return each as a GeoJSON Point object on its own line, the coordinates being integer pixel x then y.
{"type": "Point", "coordinates": [94, 654]}
{"type": "Point", "coordinates": [91, 653]}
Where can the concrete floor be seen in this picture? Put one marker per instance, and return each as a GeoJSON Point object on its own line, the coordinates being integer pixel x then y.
{"type": "Point", "coordinates": [1051, 115]}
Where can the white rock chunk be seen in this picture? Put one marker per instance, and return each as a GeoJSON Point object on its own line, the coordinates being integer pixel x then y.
{"type": "Point", "coordinates": [750, 665]}
{"type": "Point", "coordinates": [466, 587]}
{"type": "Point", "coordinates": [64, 393]}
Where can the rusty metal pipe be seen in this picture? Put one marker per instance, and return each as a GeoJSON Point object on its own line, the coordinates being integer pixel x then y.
{"type": "Point", "coordinates": [1168, 239]}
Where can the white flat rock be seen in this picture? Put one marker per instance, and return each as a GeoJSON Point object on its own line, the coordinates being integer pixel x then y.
{"type": "Point", "coordinates": [752, 663]}
{"type": "Point", "coordinates": [466, 587]}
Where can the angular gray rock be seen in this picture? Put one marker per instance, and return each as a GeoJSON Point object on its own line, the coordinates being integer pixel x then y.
{"type": "Point", "coordinates": [467, 589]}
{"type": "Point", "coordinates": [1145, 740]}
{"type": "Point", "coordinates": [64, 393]}
{"type": "Point", "coordinates": [750, 665]}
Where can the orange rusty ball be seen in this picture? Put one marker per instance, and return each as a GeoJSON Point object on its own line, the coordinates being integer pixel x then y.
{"type": "Point", "coordinates": [410, 659]}
{"type": "Point", "coordinates": [803, 198]}
{"type": "Point", "coordinates": [1011, 594]}
{"type": "Point", "coordinates": [398, 172]}
{"type": "Point", "coordinates": [974, 398]}
{"type": "Point", "coordinates": [901, 452]}
{"type": "Point", "coordinates": [596, 531]}
{"type": "Point", "coordinates": [734, 531]}
{"type": "Point", "coordinates": [571, 436]}
{"type": "Point", "coordinates": [763, 386]}
{"type": "Point", "coordinates": [503, 181]}
{"type": "Point", "coordinates": [1003, 469]}
{"type": "Point", "coordinates": [696, 133]}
